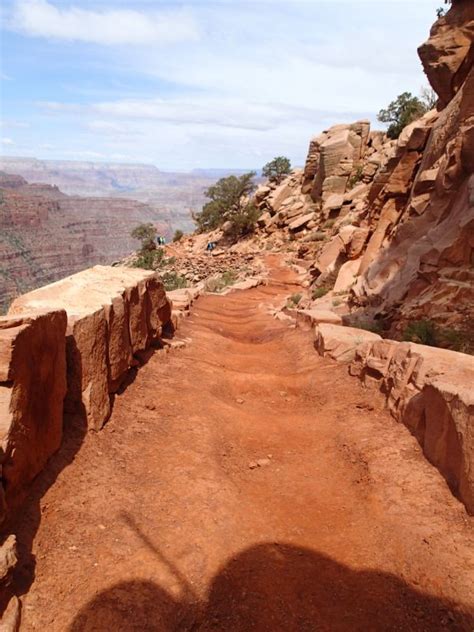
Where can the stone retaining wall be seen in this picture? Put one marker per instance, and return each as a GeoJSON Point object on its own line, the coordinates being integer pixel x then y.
{"type": "Point", "coordinates": [32, 390]}
{"type": "Point", "coordinates": [428, 389]}
{"type": "Point", "coordinates": [69, 346]}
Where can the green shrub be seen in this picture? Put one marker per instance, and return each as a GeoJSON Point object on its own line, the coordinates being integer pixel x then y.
{"type": "Point", "coordinates": [329, 223]}
{"type": "Point", "coordinates": [405, 109]}
{"type": "Point", "coordinates": [174, 281]}
{"type": "Point", "coordinates": [146, 234]}
{"type": "Point", "coordinates": [228, 200]}
{"type": "Point", "coordinates": [219, 283]}
{"type": "Point", "coordinates": [277, 169]}
{"type": "Point", "coordinates": [356, 177]}
{"type": "Point", "coordinates": [178, 234]}
{"type": "Point", "coordinates": [149, 259]}
{"type": "Point", "coordinates": [294, 300]}
{"type": "Point", "coordinates": [319, 292]}
{"type": "Point", "coordinates": [421, 331]}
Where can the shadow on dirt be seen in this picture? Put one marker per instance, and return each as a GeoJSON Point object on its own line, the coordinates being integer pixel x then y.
{"type": "Point", "coordinates": [271, 587]}
{"type": "Point", "coordinates": [27, 513]}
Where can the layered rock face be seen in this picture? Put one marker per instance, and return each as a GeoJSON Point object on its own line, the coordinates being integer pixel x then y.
{"type": "Point", "coordinates": [46, 235]}
{"type": "Point", "coordinates": [392, 222]}
{"type": "Point", "coordinates": [113, 314]}
{"type": "Point", "coordinates": [32, 390]}
{"type": "Point", "coordinates": [424, 262]}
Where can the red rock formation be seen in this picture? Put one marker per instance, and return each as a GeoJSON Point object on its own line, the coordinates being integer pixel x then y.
{"type": "Point", "coordinates": [46, 235]}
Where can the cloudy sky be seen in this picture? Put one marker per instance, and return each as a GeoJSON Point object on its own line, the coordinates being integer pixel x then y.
{"type": "Point", "coordinates": [199, 83]}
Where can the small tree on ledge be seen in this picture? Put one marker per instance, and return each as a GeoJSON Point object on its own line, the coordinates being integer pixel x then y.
{"type": "Point", "coordinates": [277, 169]}
{"type": "Point", "coordinates": [146, 233]}
{"type": "Point", "coordinates": [404, 110]}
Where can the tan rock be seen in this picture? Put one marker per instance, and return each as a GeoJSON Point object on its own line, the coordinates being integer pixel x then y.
{"type": "Point", "coordinates": [330, 255]}
{"type": "Point", "coordinates": [308, 318]}
{"type": "Point", "coordinates": [347, 275]}
{"type": "Point", "coordinates": [8, 558]}
{"type": "Point", "coordinates": [10, 621]}
{"type": "Point", "coordinates": [430, 391]}
{"type": "Point", "coordinates": [301, 222]}
{"type": "Point", "coordinates": [341, 343]}
{"type": "Point", "coordinates": [358, 240]}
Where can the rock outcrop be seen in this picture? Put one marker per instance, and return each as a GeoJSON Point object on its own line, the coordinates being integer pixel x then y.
{"type": "Point", "coordinates": [389, 224]}
{"type": "Point", "coordinates": [113, 314]}
{"type": "Point", "coordinates": [421, 251]}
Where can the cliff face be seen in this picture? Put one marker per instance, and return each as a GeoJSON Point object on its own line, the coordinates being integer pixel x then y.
{"type": "Point", "coordinates": [173, 194]}
{"type": "Point", "coordinates": [389, 225]}
{"type": "Point", "coordinates": [424, 269]}
{"type": "Point", "coordinates": [46, 235]}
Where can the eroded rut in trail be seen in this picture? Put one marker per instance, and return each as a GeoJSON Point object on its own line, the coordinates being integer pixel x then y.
{"type": "Point", "coordinates": [243, 483]}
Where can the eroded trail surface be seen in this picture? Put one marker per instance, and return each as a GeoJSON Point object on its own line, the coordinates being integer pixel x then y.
{"type": "Point", "coordinates": [243, 483]}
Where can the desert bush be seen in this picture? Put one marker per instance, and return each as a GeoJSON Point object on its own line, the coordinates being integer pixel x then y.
{"type": "Point", "coordinates": [220, 282]}
{"type": "Point", "coordinates": [146, 234]}
{"type": "Point", "coordinates": [319, 292]}
{"type": "Point", "coordinates": [174, 281]}
{"type": "Point", "coordinates": [149, 259]}
{"type": "Point", "coordinates": [356, 177]}
{"type": "Point", "coordinates": [178, 234]}
{"type": "Point", "coordinates": [229, 202]}
{"type": "Point", "coordinates": [405, 109]}
{"type": "Point", "coordinates": [294, 300]}
{"type": "Point", "coordinates": [421, 331]}
{"type": "Point", "coordinates": [277, 169]}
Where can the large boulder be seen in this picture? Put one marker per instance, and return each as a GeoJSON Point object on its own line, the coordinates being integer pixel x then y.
{"type": "Point", "coordinates": [32, 390]}
{"type": "Point", "coordinates": [448, 53]}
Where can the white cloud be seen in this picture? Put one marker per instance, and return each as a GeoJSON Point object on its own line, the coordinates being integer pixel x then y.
{"type": "Point", "coordinates": [40, 18]}
{"type": "Point", "coordinates": [7, 141]}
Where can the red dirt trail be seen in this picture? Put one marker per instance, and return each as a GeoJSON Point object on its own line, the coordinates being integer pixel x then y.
{"type": "Point", "coordinates": [161, 522]}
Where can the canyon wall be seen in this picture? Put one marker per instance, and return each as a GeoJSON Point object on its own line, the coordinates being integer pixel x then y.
{"type": "Point", "coordinates": [171, 194]}
{"type": "Point", "coordinates": [46, 235]}
{"type": "Point", "coordinates": [389, 224]}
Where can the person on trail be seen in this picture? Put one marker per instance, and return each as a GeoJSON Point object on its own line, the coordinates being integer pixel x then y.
{"type": "Point", "coordinates": [210, 246]}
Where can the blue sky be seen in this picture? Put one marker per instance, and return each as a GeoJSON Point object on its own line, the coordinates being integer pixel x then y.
{"type": "Point", "coordinates": [202, 83]}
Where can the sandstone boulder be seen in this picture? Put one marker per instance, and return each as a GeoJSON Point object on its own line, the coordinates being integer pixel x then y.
{"type": "Point", "coordinates": [449, 45]}
{"type": "Point", "coordinates": [347, 275]}
{"type": "Point", "coordinates": [340, 343]}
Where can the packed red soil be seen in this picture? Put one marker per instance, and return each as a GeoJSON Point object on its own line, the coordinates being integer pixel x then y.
{"type": "Point", "coordinates": [244, 483]}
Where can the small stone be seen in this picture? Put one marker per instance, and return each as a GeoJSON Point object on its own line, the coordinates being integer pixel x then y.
{"type": "Point", "coordinates": [239, 400]}
{"type": "Point", "coordinates": [253, 465]}
{"type": "Point", "coordinates": [263, 462]}
{"type": "Point", "coordinates": [11, 617]}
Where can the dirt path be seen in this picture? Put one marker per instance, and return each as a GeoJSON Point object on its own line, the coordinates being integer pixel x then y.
{"type": "Point", "coordinates": [162, 521]}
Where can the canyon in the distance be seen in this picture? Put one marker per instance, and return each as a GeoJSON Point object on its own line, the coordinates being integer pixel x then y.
{"type": "Point", "coordinates": [59, 217]}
